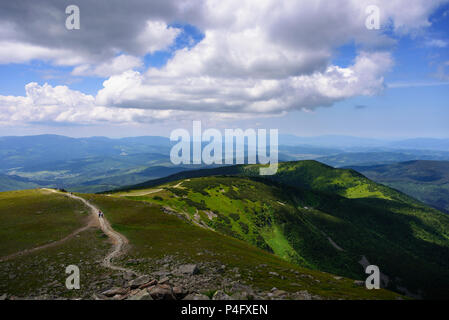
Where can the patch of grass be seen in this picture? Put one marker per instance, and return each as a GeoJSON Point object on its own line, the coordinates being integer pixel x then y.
{"type": "Point", "coordinates": [43, 272]}
{"type": "Point", "coordinates": [31, 218]}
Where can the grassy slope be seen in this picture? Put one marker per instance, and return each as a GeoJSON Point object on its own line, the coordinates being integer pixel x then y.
{"type": "Point", "coordinates": [427, 181]}
{"type": "Point", "coordinates": [31, 218]}
{"type": "Point", "coordinates": [404, 237]}
{"type": "Point", "coordinates": [154, 234]}
{"type": "Point", "coordinates": [43, 271]}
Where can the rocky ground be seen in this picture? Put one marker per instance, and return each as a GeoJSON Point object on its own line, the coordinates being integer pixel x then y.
{"type": "Point", "coordinates": [171, 281]}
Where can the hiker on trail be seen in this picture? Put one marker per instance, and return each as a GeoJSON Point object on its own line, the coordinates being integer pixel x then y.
{"type": "Point", "coordinates": [99, 214]}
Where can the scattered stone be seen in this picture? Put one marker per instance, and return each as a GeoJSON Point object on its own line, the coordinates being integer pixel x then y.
{"type": "Point", "coordinates": [148, 284]}
{"type": "Point", "coordinates": [115, 291]}
{"type": "Point", "coordinates": [164, 280]}
{"type": "Point", "coordinates": [220, 295]}
{"type": "Point", "coordinates": [338, 278]}
{"type": "Point", "coordinates": [279, 293]}
{"type": "Point", "coordinates": [161, 292]}
{"type": "Point", "coordinates": [179, 293]}
{"type": "Point", "coordinates": [128, 276]}
{"type": "Point", "coordinates": [141, 295]}
{"type": "Point", "coordinates": [221, 269]}
{"type": "Point", "coordinates": [240, 296]}
{"type": "Point", "coordinates": [191, 269]}
{"type": "Point", "coordinates": [161, 274]}
{"type": "Point", "coordinates": [273, 273]}
{"type": "Point", "coordinates": [3, 297]}
{"type": "Point", "coordinates": [139, 281]}
{"type": "Point", "coordinates": [196, 296]}
{"type": "Point", "coordinates": [295, 284]}
{"type": "Point", "coordinates": [99, 296]}
{"type": "Point", "coordinates": [359, 283]}
{"type": "Point", "coordinates": [304, 295]}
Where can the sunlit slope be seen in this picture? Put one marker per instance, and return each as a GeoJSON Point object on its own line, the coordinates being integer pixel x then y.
{"type": "Point", "coordinates": [318, 217]}
{"type": "Point", "coordinates": [427, 181]}
{"type": "Point", "coordinates": [155, 233]}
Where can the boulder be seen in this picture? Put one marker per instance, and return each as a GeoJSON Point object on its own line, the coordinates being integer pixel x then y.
{"type": "Point", "coordinates": [115, 291]}
{"type": "Point", "coordinates": [190, 269]}
{"type": "Point", "coordinates": [148, 284]}
{"type": "Point", "coordinates": [164, 280]}
{"type": "Point", "coordinates": [179, 292]}
{"type": "Point", "coordinates": [303, 295]}
{"type": "Point", "coordinates": [128, 276]}
{"type": "Point", "coordinates": [3, 297]}
{"type": "Point", "coordinates": [279, 293]}
{"type": "Point", "coordinates": [99, 296]}
{"type": "Point", "coordinates": [141, 295]}
{"type": "Point", "coordinates": [161, 292]}
{"type": "Point", "coordinates": [139, 281]}
{"type": "Point", "coordinates": [196, 296]}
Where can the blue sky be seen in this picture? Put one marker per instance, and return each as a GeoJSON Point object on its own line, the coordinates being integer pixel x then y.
{"type": "Point", "coordinates": [413, 102]}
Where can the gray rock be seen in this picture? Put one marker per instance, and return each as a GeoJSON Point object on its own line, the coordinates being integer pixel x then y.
{"type": "Point", "coordinates": [148, 284]}
{"type": "Point", "coordinates": [141, 295]}
{"type": "Point", "coordinates": [139, 281]}
{"type": "Point", "coordinates": [128, 276]}
{"type": "Point", "coordinates": [115, 291]}
{"type": "Point", "coordinates": [196, 296]}
{"type": "Point", "coordinates": [3, 297]}
{"type": "Point", "coordinates": [188, 269]}
{"type": "Point", "coordinates": [161, 274]}
{"type": "Point", "coordinates": [179, 292]}
{"type": "Point", "coordinates": [220, 295]}
{"type": "Point", "coordinates": [161, 292]}
{"type": "Point", "coordinates": [279, 293]}
{"type": "Point", "coordinates": [164, 280]}
{"type": "Point", "coordinates": [273, 273]}
{"type": "Point", "coordinates": [359, 283]}
{"type": "Point", "coordinates": [303, 295]}
{"type": "Point", "coordinates": [240, 296]}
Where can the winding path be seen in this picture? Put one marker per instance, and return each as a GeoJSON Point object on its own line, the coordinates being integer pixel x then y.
{"type": "Point", "coordinates": [119, 241]}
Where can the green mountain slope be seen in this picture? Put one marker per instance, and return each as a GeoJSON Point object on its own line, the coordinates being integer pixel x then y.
{"type": "Point", "coordinates": [427, 181]}
{"type": "Point", "coordinates": [159, 243]}
{"type": "Point", "coordinates": [318, 217]}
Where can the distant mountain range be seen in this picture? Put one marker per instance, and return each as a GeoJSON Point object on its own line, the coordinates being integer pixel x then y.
{"type": "Point", "coordinates": [349, 142]}
{"type": "Point", "coordinates": [98, 163]}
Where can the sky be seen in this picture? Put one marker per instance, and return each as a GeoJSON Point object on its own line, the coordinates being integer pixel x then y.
{"type": "Point", "coordinates": [305, 67]}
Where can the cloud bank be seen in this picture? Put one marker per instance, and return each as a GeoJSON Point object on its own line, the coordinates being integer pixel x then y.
{"type": "Point", "coordinates": [256, 57]}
